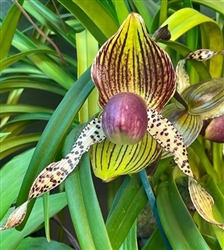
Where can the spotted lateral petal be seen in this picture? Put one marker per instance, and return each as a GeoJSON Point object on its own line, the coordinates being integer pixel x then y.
{"type": "Point", "coordinates": [202, 201]}
{"type": "Point", "coordinates": [16, 217]}
{"type": "Point", "coordinates": [169, 138]}
{"type": "Point", "coordinates": [203, 54]}
{"type": "Point", "coordinates": [110, 160]}
{"type": "Point", "coordinates": [130, 61]}
{"type": "Point", "coordinates": [55, 173]}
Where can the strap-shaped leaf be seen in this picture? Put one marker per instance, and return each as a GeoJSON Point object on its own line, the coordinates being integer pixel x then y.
{"type": "Point", "coordinates": [55, 173]}
{"type": "Point", "coordinates": [130, 61]}
{"type": "Point", "coordinates": [169, 138]}
{"type": "Point", "coordinates": [110, 160]}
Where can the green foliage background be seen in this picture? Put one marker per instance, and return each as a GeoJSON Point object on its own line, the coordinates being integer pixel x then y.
{"type": "Point", "coordinates": [27, 60]}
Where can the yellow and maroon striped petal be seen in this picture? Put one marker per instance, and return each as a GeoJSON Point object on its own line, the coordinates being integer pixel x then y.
{"type": "Point", "coordinates": [111, 160]}
{"type": "Point", "coordinates": [130, 61]}
{"type": "Point", "coordinates": [188, 125]}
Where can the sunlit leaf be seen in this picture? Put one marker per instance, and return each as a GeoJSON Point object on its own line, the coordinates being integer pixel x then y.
{"type": "Point", "coordinates": [7, 30]}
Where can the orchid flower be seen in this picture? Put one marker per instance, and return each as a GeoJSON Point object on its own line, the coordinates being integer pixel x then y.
{"type": "Point", "coordinates": [204, 101]}
{"type": "Point", "coordinates": [135, 78]}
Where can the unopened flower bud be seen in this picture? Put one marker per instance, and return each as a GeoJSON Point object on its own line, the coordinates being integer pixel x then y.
{"type": "Point", "coordinates": [213, 129]}
{"type": "Point", "coordinates": [162, 33]}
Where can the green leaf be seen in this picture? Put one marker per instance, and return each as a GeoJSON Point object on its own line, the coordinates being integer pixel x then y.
{"type": "Point", "coordinates": [15, 128]}
{"type": "Point", "coordinates": [41, 243]}
{"type": "Point", "coordinates": [80, 194]}
{"type": "Point", "coordinates": [61, 122]}
{"type": "Point", "coordinates": [12, 59]}
{"type": "Point", "coordinates": [204, 163]}
{"type": "Point", "coordinates": [95, 23]}
{"type": "Point", "coordinates": [46, 216]}
{"type": "Point", "coordinates": [11, 238]}
{"type": "Point", "coordinates": [121, 10]}
{"type": "Point", "coordinates": [8, 29]}
{"type": "Point", "coordinates": [176, 220]}
{"type": "Point", "coordinates": [144, 7]}
{"type": "Point", "coordinates": [18, 165]}
{"type": "Point", "coordinates": [163, 12]}
{"type": "Point", "coordinates": [130, 241]}
{"type": "Point", "coordinates": [56, 71]}
{"type": "Point", "coordinates": [4, 134]}
{"type": "Point", "coordinates": [155, 241]}
{"type": "Point", "coordinates": [31, 82]}
{"type": "Point", "coordinates": [87, 48]}
{"type": "Point", "coordinates": [152, 202]}
{"type": "Point", "coordinates": [12, 109]}
{"type": "Point", "coordinates": [127, 205]}
{"type": "Point", "coordinates": [101, 20]}
{"type": "Point", "coordinates": [14, 144]}
{"type": "Point", "coordinates": [185, 19]}
{"type": "Point", "coordinates": [27, 118]}
{"type": "Point", "coordinates": [217, 6]}
{"type": "Point", "coordinates": [49, 19]}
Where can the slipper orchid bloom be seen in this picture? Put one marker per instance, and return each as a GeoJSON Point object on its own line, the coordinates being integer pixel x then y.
{"type": "Point", "coordinates": [203, 112]}
{"type": "Point", "coordinates": [135, 78]}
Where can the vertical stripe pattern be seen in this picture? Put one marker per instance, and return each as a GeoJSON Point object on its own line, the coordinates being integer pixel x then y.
{"type": "Point", "coordinates": [110, 160]}
{"type": "Point", "coordinates": [188, 125]}
{"type": "Point", "coordinates": [130, 61]}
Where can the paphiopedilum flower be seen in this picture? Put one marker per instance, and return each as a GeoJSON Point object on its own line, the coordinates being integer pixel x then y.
{"type": "Point", "coordinates": [135, 79]}
{"type": "Point", "coordinates": [204, 101]}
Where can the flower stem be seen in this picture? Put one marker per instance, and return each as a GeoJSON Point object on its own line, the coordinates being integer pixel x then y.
{"type": "Point", "coordinates": [152, 202]}
{"type": "Point", "coordinates": [218, 159]}
{"type": "Point", "coordinates": [199, 150]}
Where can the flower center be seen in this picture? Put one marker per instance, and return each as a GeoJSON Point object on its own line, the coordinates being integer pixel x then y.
{"type": "Point", "coordinates": [124, 119]}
